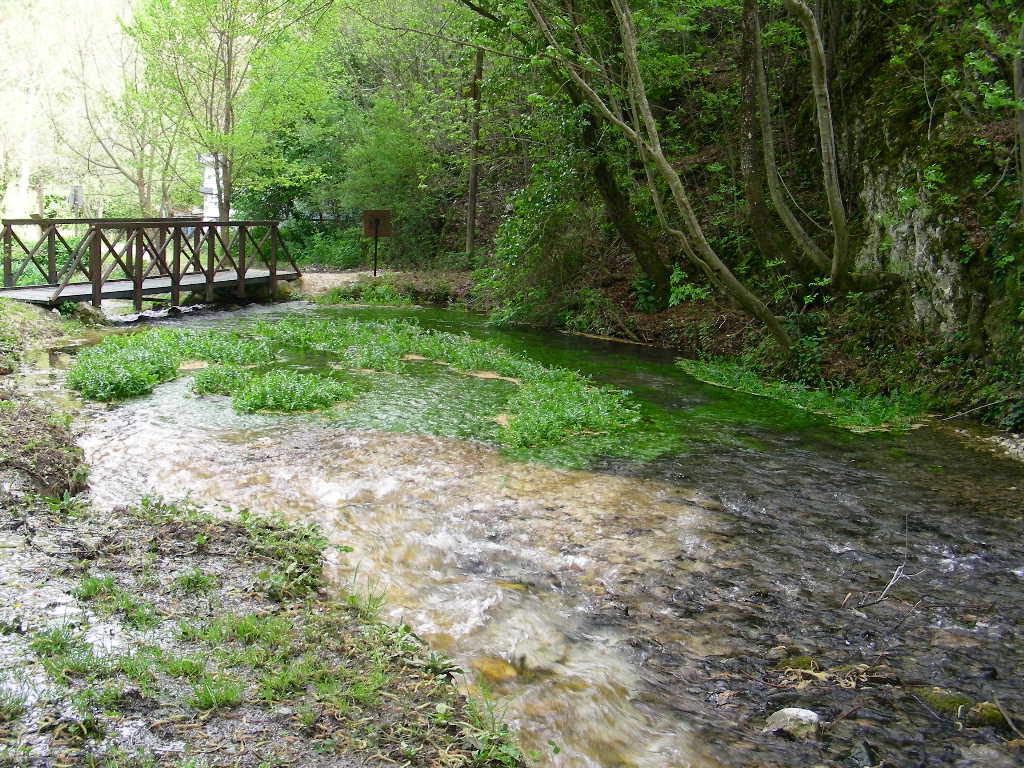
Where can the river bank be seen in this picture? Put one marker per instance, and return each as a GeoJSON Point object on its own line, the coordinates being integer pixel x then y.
{"type": "Point", "coordinates": [656, 605]}
{"type": "Point", "coordinates": [155, 634]}
{"type": "Point", "coordinates": [862, 353]}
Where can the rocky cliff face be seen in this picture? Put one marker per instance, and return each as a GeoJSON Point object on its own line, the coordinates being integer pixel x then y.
{"type": "Point", "coordinates": [930, 173]}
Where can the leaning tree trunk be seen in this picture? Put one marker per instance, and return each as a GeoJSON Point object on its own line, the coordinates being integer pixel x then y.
{"type": "Point", "coordinates": [1018, 94]}
{"type": "Point", "coordinates": [770, 242]}
{"type": "Point", "coordinates": [829, 164]}
{"type": "Point", "coordinates": [619, 209]}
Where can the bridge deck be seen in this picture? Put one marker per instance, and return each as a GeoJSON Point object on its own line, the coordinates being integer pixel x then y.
{"type": "Point", "coordinates": [124, 289]}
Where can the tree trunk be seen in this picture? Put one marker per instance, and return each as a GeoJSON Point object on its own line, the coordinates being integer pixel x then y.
{"type": "Point", "coordinates": [1018, 94]}
{"type": "Point", "coordinates": [770, 242]}
{"type": "Point", "coordinates": [807, 245]}
{"type": "Point", "coordinates": [619, 209]}
{"type": "Point", "coordinates": [224, 188]}
{"type": "Point", "coordinates": [474, 154]}
{"type": "Point", "coordinates": [829, 164]}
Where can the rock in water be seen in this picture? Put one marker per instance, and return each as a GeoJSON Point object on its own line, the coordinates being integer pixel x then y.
{"type": "Point", "coordinates": [800, 724]}
{"type": "Point", "coordinates": [493, 669]}
{"type": "Point", "coordinates": [87, 314]}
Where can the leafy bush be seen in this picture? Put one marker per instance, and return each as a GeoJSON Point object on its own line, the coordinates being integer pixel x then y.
{"type": "Point", "coordinates": [382, 291]}
{"type": "Point", "coordinates": [341, 250]}
{"type": "Point", "coordinates": [286, 390]}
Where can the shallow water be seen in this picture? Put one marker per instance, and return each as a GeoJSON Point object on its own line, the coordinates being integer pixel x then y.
{"type": "Point", "coordinates": [614, 606]}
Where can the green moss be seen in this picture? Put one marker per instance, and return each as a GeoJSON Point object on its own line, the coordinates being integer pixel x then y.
{"type": "Point", "coordinates": [845, 407]}
{"type": "Point", "coordinates": [952, 704]}
{"type": "Point", "coordinates": [986, 714]}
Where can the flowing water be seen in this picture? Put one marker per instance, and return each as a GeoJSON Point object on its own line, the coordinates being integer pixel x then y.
{"type": "Point", "coordinates": [630, 610]}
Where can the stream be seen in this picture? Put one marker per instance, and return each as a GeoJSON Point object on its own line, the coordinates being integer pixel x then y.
{"type": "Point", "coordinates": [629, 610]}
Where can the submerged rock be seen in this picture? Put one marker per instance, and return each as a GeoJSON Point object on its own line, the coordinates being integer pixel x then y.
{"type": "Point", "coordinates": [495, 670]}
{"type": "Point", "coordinates": [797, 723]}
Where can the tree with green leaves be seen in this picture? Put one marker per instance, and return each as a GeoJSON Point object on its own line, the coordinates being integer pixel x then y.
{"type": "Point", "coordinates": [231, 69]}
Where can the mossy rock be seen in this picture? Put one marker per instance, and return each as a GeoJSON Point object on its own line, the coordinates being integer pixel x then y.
{"type": "Point", "coordinates": [948, 703]}
{"type": "Point", "coordinates": [798, 662]}
{"type": "Point", "coordinates": [985, 714]}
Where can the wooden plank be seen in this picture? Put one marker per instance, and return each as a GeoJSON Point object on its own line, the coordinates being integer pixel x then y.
{"type": "Point", "coordinates": [96, 267]}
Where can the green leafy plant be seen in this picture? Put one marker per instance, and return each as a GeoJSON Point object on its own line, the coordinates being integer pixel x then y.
{"type": "Point", "coordinates": [287, 390]}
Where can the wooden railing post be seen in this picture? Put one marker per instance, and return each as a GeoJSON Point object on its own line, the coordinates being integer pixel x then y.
{"type": "Point", "coordinates": [96, 266]}
{"type": "Point", "coordinates": [176, 266]}
{"type": "Point", "coordinates": [8, 249]}
{"type": "Point", "coordinates": [272, 261]}
{"type": "Point", "coordinates": [51, 255]}
{"type": "Point", "coordinates": [211, 254]}
{"type": "Point", "coordinates": [242, 233]}
{"type": "Point", "coordinates": [140, 248]}
{"type": "Point", "coordinates": [161, 245]}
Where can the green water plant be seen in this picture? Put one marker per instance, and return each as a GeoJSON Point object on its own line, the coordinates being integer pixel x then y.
{"type": "Point", "coordinates": [288, 390]}
{"type": "Point", "coordinates": [220, 379]}
{"type": "Point", "coordinates": [547, 405]}
{"type": "Point", "coordinates": [129, 365]}
{"type": "Point", "coordinates": [844, 407]}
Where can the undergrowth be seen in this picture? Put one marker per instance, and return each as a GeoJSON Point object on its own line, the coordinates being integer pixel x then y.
{"type": "Point", "coordinates": [381, 291]}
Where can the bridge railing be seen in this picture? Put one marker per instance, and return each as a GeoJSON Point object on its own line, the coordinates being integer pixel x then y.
{"type": "Point", "coordinates": [138, 249]}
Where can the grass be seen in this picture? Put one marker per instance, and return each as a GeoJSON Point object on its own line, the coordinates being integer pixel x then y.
{"type": "Point", "coordinates": [216, 692]}
{"type": "Point", "coordinates": [109, 600]}
{"type": "Point", "coordinates": [329, 677]}
{"type": "Point", "coordinates": [195, 582]}
{"type": "Point", "coordinates": [12, 706]}
{"type": "Point", "coordinates": [844, 407]}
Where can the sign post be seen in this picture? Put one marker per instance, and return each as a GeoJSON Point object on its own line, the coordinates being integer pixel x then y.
{"type": "Point", "coordinates": [376, 224]}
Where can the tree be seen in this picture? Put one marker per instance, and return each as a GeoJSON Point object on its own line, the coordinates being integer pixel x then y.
{"type": "Point", "coordinates": [128, 132]}
{"type": "Point", "coordinates": [207, 56]}
{"type": "Point", "coordinates": [621, 99]}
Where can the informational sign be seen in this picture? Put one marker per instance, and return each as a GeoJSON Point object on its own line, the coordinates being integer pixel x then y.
{"type": "Point", "coordinates": [376, 223]}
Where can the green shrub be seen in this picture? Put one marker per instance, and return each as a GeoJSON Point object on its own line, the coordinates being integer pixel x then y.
{"type": "Point", "coordinates": [341, 250]}
{"type": "Point", "coordinates": [287, 390]}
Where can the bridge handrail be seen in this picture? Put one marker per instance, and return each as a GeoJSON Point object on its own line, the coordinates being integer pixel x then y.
{"type": "Point", "coordinates": [221, 244]}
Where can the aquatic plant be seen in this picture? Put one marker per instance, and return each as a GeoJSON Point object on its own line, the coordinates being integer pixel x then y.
{"type": "Point", "coordinates": [551, 404]}
{"type": "Point", "coordinates": [846, 407]}
{"type": "Point", "coordinates": [133, 364]}
{"type": "Point", "coordinates": [287, 390]}
{"type": "Point", "coordinates": [220, 380]}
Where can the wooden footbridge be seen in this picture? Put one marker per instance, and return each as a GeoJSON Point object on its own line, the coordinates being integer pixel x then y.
{"type": "Point", "coordinates": [95, 259]}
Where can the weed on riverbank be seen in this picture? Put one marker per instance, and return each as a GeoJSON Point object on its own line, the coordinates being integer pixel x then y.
{"type": "Point", "coordinates": [159, 635]}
